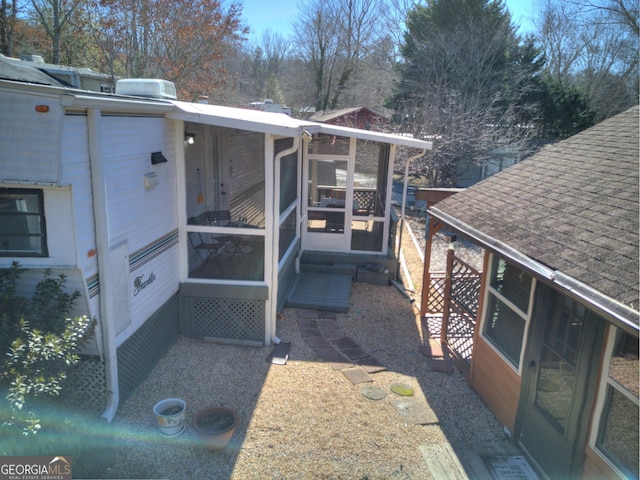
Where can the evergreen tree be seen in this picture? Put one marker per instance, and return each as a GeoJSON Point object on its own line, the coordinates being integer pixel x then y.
{"type": "Point", "coordinates": [467, 78]}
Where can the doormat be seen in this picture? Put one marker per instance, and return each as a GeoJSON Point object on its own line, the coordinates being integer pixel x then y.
{"type": "Point", "coordinates": [509, 467]}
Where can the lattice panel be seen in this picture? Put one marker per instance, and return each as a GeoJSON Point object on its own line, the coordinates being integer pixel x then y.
{"type": "Point", "coordinates": [139, 353]}
{"type": "Point", "coordinates": [460, 336]}
{"type": "Point", "coordinates": [86, 386]}
{"type": "Point", "coordinates": [236, 319]}
{"type": "Point", "coordinates": [436, 293]}
{"type": "Point", "coordinates": [465, 287]}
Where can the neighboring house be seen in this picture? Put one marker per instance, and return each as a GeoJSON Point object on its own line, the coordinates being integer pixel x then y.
{"type": "Point", "coordinates": [355, 117]}
{"type": "Point", "coordinates": [555, 353]}
{"type": "Point", "coordinates": [171, 217]}
{"type": "Point", "coordinates": [468, 173]}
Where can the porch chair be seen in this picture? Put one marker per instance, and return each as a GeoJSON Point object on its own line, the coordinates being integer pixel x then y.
{"type": "Point", "coordinates": [208, 250]}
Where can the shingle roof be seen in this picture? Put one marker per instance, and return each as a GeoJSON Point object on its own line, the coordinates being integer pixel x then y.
{"type": "Point", "coordinates": [572, 207]}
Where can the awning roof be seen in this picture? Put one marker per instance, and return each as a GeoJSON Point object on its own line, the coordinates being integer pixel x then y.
{"type": "Point", "coordinates": [278, 123]}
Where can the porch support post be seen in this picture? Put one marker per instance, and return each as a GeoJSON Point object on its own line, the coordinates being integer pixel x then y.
{"type": "Point", "coordinates": [447, 293]}
{"type": "Point", "coordinates": [432, 226]}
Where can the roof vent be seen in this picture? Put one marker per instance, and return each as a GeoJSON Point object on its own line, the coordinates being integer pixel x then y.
{"type": "Point", "coordinates": [147, 88]}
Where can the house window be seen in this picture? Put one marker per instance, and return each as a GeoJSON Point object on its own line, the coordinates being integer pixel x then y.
{"type": "Point", "coordinates": [508, 306]}
{"type": "Point", "coordinates": [618, 437]}
{"type": "Point", "coordinates": [22, 223]}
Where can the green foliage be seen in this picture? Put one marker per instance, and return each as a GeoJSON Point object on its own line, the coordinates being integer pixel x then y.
{"type": "Point", "coordinates": [565, 110]}
{"type": "Point", "coordinates": [39, 342]}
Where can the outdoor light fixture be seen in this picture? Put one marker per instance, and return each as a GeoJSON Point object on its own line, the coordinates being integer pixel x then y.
{"type": "Point", "coordinates": [190, 138]}
{"type": "Point", "coordinates": [157, 157]}
{"type": "Point", "coordinates": [306, 136]}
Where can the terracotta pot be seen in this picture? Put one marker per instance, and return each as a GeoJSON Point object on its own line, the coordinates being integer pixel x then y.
{"type": "Point", "coordinates": [215, 426]}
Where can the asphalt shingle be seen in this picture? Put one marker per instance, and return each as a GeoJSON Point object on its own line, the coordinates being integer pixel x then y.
{"type": "Point", "coordinates": [573, 207]}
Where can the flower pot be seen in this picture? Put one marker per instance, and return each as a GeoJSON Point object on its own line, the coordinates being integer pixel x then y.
{"type": "Point", "coordinates": [170, 414]}
{"type": "Point", "coordinates": [215, 426]}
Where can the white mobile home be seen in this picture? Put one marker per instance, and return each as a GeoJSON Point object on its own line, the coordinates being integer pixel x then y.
{"type": "Point", "coordinates": [172, 217]}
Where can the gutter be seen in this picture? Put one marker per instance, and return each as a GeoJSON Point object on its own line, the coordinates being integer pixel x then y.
{"type": "Point", "coordinates": [619, 314]}
{"type": "Point", "coordinates": [101, 219]}
{"type": "Point", "coordinates": [271, 335]}
{"type": "Point", "coordinates": [404, 201]}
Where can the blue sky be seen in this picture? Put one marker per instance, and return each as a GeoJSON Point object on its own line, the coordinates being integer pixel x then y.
{"type": "Point", "coordinates": [278, 15]}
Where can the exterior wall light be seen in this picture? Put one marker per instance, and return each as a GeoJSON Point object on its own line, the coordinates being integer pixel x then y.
{"type": "Point", "coordinates": [158, 157]}
{"type": "Point", "coordinates": [189, 138]}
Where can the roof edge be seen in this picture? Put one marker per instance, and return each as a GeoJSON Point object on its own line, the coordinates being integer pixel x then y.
{"type": "Point", "coordinates": [620, 314]}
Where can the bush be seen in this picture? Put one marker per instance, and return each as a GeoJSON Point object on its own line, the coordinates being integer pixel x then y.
{"type": "Point", "coordinates": [38, 343]}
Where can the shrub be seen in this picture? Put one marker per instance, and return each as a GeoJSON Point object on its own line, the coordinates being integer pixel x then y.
{"type": "Point", "coordinates": [38, 343]}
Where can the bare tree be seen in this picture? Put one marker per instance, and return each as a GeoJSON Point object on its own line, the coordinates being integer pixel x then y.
{"type": "Point", "coordinates": [332, 37]}
{"type": "Point", "coordinates": [593, 45]}
{"type": "Point", "coordinates": [188, 43]}
{"type": "Point", "coordinates": [54, 16]}
{"type": "Point", "coordinates": [8, 18]}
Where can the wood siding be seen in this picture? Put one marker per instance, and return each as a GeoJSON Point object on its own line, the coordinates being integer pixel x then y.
{"type": "Point", "coordinates": [595, 468]}
{"type": "Point", "coordinates": [496, 382]}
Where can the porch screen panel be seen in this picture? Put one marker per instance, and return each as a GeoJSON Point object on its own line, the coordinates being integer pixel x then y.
{"type": "Point", "coordinates": [243, 160]}
{"type": "Point", "coordinates": [288, 174]}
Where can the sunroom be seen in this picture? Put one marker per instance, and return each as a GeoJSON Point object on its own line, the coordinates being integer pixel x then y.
{"type": "Point", "coordinates": [262, 193]}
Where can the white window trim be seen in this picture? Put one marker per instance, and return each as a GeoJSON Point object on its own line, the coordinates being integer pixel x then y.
{"type": "Point", "coordinates": [605, 381]}
{"type": "Point", "coordinates": [526, 316]}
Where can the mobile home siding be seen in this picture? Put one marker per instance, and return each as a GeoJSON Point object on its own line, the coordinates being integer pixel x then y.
{"type": "Point", "coordinates": [28, 139]}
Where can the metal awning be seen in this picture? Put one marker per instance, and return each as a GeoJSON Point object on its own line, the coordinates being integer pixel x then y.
{"type": "Point", "coordinates": [279, 124]}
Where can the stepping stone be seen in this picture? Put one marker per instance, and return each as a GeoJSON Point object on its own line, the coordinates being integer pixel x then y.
{"type": "Point", "coordinates": [314, 342]}
{"type": "Point", "coordinates": [357, 375]}
{"type": "Point", "coordinates": [433, 348]}
{"type": "Point", "coordinates": [324, 324]}
{"type": "Point", "coordinates": [413, 411]}
{"type": "Point", "coordinates": [402, 389]}
{"type": "Point", "coordinates": [307, 323]}
{"type": "Point", "coordinates": [334, 333]}
{"type": "Point", "coordinates": [333, 357]}
{"type": "Point", "coordinates": [327, 314]}
{"type": "Point", "coordinates": [310, 332]}
{"type": "Point", "coordinates": [373, 393]}
{"type": "Point", "coordinates": [306, 313]}
{"type": "Point", "coordinates": [355, 353]}
{"type": "Point", "coordinates": [371, 364]}
{"type": "Point", "coordinates": [345, 342]}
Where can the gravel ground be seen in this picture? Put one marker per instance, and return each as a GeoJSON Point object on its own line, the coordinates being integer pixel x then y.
{"type": "Point", "coordinates": [305, 419]}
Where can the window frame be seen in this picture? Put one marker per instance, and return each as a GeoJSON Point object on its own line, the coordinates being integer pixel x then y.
{"type": "Point", "coordinates": [487, 312]}
{"type": "Point", "coordinates": [606, 385]}
{"type": "Point", "coordinates": [44, 248]}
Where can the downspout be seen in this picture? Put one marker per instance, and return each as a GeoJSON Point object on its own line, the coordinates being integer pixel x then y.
{"type": "Point", "coordinates": [276, 237]}
{"type": "Point", "coordinates": [101, 224]}
{"type": "Point", "coordinates": [404, 202]}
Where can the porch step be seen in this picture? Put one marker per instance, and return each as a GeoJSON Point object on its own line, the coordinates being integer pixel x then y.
{"type": "Point", "coordinates": [320, 290]}
{"type": "Point", "coordinates": [335, 268]}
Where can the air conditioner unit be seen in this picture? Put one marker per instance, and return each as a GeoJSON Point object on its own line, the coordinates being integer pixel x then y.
{"type": "Point", "coordinates": [147, 88]}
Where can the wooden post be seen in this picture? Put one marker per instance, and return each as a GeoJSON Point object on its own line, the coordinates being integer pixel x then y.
{"type": "Point", "coordinates": [432, 228]}
{"type": "Point", "coordinates": [447, 293]}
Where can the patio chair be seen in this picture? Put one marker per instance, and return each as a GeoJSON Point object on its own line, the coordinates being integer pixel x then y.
{"type": "Point", "coordinates": [206, 249]}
